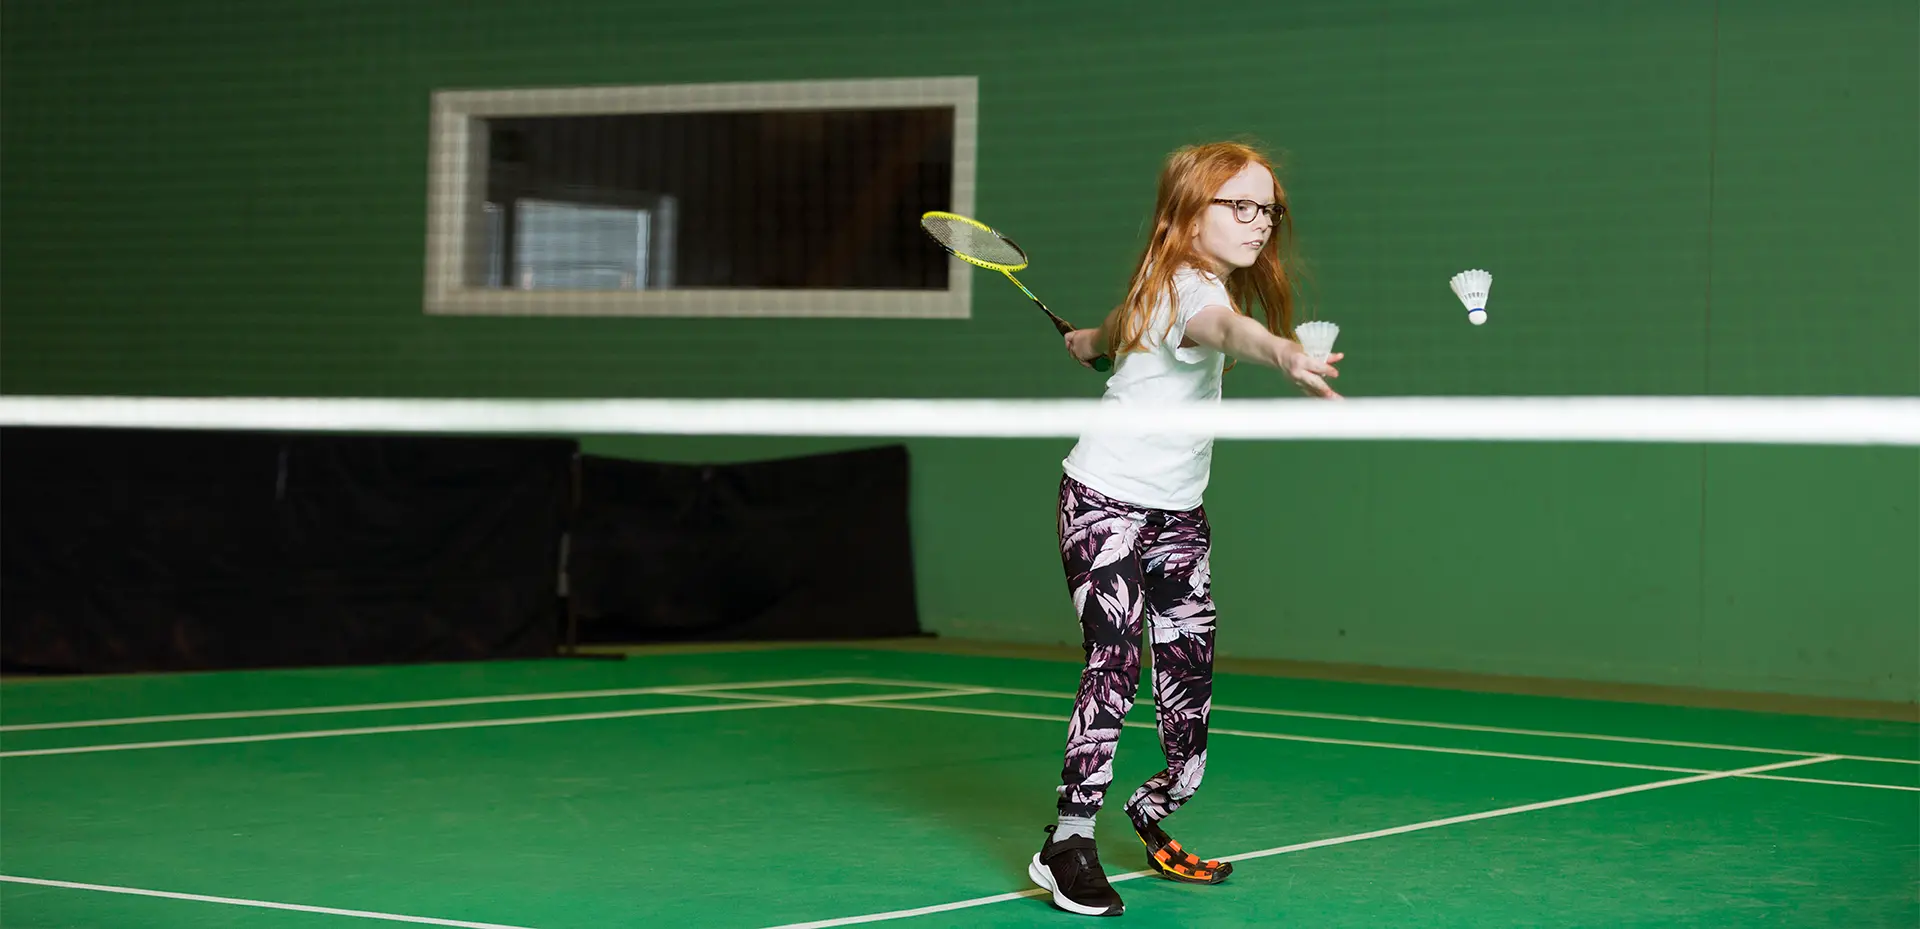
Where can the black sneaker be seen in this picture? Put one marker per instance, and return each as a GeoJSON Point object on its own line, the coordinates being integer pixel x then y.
{"type": "Point", "coordinates": [1070, 870]}
{"type": "Point", "coordinates": [1169, 860]}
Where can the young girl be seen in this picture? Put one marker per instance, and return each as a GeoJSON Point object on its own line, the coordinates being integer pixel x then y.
{"type": "Point", "coordinates": [1134, 538]}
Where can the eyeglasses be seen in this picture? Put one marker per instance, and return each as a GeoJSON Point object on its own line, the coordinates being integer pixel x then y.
{"type": "Point", "coordinates": [1246, 210]}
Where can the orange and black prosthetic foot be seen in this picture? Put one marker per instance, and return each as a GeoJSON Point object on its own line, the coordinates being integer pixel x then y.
{"type": "Point", "coordinates": [1174, 863]}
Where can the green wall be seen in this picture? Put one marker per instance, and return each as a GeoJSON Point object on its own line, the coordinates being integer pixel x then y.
{"type": "Point", "coordinates": [1675, 198]}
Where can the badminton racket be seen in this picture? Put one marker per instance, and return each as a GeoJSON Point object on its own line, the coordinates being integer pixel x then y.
{"type": "Point", "coordinates": [977, 244]}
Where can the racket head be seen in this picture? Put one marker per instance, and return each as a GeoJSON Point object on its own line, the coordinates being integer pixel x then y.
{"type": "Point", "coordinates": [973, 241]}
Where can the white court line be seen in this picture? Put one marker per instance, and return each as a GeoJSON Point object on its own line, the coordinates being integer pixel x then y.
{"type": "Point", "coordinates": [1815, 780]}
{"type": "Point", "coordinates": [840, 701]}
{"type": "Point", "coordinates": [1398, 746]}
{"type": "Point", "coordinates": [381, 730]}
{"type": "Point", "coordinates": [420, 704]}
{"type": "Point", "coordinates": [1511, 810]}
{"type": "Point", "coordinates": [1323, 843]}
{"type": "Point", "coordinates": [761, 704]}
{"type": "Point", "coordinates": [261, 904]}
{"type": "Point", "coordinates": [961, 904]}
{"type": "Point", "coordinates": [917, 911]}
{"type": "Point", "coordinates": [883, 701]}
{"type": "Point", "coordinates": [761, 701]}
{"type": "Point", "coordinates": [683, 689]}
{"type": "Point", "coordinates": [1428, 724]}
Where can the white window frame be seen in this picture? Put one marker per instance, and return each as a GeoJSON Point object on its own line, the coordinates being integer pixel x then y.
{"type": "Point", "coordinates": [456, 252]}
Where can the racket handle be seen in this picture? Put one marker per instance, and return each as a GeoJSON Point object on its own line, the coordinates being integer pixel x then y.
{"type": "Point", "coordinates": [1102, 363]}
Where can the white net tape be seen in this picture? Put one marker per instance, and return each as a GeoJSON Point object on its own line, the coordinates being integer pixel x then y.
{"type": "Point", "coordinates": [1761, 420]}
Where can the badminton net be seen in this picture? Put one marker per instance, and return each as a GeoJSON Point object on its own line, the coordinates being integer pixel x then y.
{"type": "Point", "coordinates": [1891, 421]}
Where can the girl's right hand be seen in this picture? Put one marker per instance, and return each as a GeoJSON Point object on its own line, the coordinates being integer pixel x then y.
{"type": "Point", "coordinates": [1084, 345]}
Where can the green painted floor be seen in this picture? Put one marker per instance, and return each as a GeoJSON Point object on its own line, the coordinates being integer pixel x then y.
{"type": "Point", "coordinates": [896, 782]}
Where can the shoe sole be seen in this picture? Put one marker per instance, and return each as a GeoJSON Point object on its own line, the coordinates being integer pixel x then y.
{"type": "Point", "coordinates": [1043, 877]}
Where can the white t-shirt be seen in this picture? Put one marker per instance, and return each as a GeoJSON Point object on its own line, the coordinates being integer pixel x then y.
{"type": "Point", "coordinates": [1161, 471]}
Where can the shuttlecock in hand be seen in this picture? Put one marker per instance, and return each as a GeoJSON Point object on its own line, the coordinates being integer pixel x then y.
{"type": "Point", "coordinates": [1317, 338]}
{"type": "Point", "coordinates": [1471, 287]}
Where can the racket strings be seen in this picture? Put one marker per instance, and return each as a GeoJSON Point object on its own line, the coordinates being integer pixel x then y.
{"type": "Point", "coordinates": [974, 243]}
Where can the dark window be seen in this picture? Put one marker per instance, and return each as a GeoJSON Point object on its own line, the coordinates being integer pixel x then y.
{"type": "Point", "coordinates": [796, 199]}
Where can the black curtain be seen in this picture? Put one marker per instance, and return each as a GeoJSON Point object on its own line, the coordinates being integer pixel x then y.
{"type": "Point", "coordinates": [151, 550]}
{"type": "Point", "coordinates": [814, 547]}
{"type": "Point", "coordinates": [132, 550]}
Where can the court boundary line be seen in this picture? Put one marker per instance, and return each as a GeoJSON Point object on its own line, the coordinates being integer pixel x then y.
{"type": "Point", "coordinates": [418, 704]}
{"type": "Point", "coordinates": [1324, 843]}
{"type": "Point", "coordinates": [1429, 724]}
{"type": "Point", "coordinates": [1411, 747]}
{"type": "Point", "coordinates": [705, 689]}
{"type": "Point", "coordinates": [976, 901]}
{"type": "Point", "coordinates": [889, 701]}
{"type": "Point", "coordinates": [757, 703]}
{"type": "Point", "coordinates": [258, 904]}
{"type": "Point", "coordinates": [924, 690]}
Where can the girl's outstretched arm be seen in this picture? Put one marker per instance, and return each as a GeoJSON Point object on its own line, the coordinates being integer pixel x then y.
{"type": "Point", "coordinates": [1225, 331]}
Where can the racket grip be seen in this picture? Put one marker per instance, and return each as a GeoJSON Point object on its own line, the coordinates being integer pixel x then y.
{"type": "Point", "coordinates": [1103, 363]}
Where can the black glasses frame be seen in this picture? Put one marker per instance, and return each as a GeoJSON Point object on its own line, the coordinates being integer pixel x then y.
{"type": "Point", "coordinates": [1246, 210]}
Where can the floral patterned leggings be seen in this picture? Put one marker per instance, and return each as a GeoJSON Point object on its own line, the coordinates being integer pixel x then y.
{"type": "Point", "coordinates": [1122, 562]}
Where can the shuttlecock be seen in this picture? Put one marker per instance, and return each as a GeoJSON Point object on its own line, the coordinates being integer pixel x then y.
{"type": "Point", "coordinates": [1317, 338]}
{"type": "Point", "coordinates": [1471, 287]}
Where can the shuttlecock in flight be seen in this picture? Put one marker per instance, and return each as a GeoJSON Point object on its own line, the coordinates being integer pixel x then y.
{"type": "Point", "coordinates": [1317, 338]}
{"type": "Point", "coordinates": [1471, 287]}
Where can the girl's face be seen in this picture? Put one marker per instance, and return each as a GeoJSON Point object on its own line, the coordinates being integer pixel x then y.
{"type": "Point", "coordinates": [1221, 236]}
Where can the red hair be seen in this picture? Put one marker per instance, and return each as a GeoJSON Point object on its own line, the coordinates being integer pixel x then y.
{"type": "Point", "coordinates": [1187, 186]}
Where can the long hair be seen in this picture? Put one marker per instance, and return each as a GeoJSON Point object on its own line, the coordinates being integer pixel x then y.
{"type": "Point", "coordinates": [1187, 185]}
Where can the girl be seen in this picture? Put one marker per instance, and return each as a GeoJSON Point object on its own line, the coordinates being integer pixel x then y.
{"type": "Point", "coordinates": [1134, 538]}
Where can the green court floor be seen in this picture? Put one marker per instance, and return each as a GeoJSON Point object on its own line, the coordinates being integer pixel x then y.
{"type": "Point", "coordinates": [827, 787]}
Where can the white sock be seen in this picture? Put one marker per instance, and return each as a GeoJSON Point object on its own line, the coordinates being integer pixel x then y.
{"type": "Point", "coordinates": [1071, 826]}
